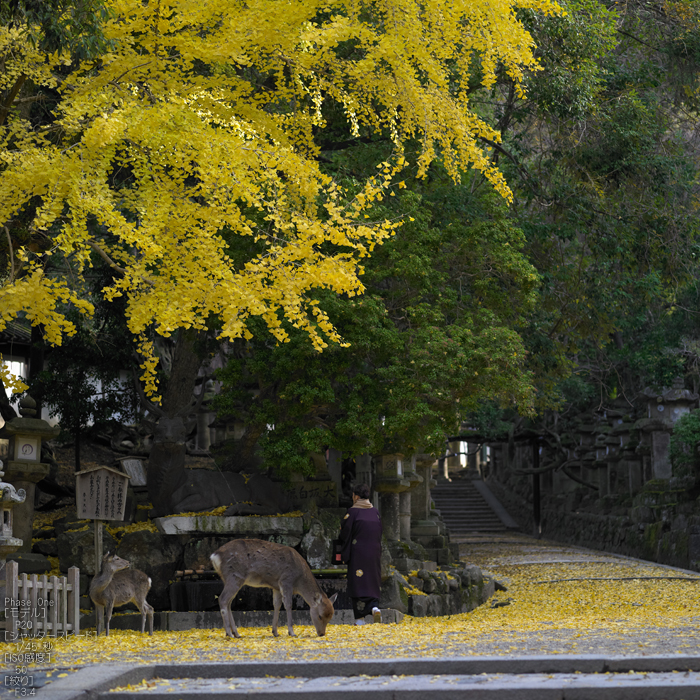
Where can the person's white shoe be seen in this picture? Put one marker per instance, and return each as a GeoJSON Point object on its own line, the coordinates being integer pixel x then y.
{"type": "Point", "coordinates": [359, 621]}
{"type": "Point", "coordinates": [377, 615]}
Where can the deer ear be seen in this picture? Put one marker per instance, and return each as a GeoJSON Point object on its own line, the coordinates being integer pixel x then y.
{"type": "Point", "coordinates": [333, 597]}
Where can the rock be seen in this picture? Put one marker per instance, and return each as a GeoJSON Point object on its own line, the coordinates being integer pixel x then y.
{"type": "Point", "coordinates": [287, 540]}
{"type": "Point", "coordinates": [418, 605]}
{"type": "Point", "coordinates": [453, 584]}
{"type": "Point", "coordinates": [436, 605]}
{"type": "Point", "coordinates": [393, 594]}
{"type": "Point", "coordinates": [45, 533]}
{"type": "Point", "coordinates": [250, 509]}
{"type": "Point", "coordinates": [386, 567]}
{"type": "Point", "coordinates": [423, 574]}
{"type": "Point", "coordinates": [317, 547]}
{"type": "Point", "coordinates": [77, 548]}
{"type": "Point", "coordinates": [29, 563]}
{"type": "Point", "coordinates": [157, 555]}
{"type": "Point", "coordinates": [430, 585]}
{"type": "Point", "coordinates": [242, 526]}
{"type": "Point", "coordinates": [204, 490]}
{"type": "Point", "coordinates": [501, 603]}
{"type": "Point", "coordinates": [48, 548]}
{"type": "Point", "coordinates": [198, 550]}
{"type": "Point", "coordinates": [401, 579]}
{"type": "Point", "coordinates": [499, 586]}
{"type": "Point", "coordinates": [471, 575]}
{"type": "Point", "coordinates": [268, 493]}
{"type": "Point", "coordinates": [416, 582]}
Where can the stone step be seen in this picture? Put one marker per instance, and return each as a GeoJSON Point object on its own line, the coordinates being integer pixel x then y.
{"type": "Point", "coordinates": [464, 509]}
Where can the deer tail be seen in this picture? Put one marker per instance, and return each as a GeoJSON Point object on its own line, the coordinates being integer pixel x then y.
{"type": "Point", "coordinates": [216, 561]}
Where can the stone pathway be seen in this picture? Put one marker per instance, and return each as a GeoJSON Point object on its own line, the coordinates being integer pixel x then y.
{"type": "Point", "coordinates": [618, 602]}
{"type": "Point", "coordinates": [562, 604]}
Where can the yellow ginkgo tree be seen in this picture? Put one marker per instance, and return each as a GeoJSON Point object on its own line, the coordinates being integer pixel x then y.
{"type": "Point", "coordinates": [196, 124]}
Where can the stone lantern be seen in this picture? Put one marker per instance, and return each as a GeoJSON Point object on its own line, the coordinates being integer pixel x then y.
{"type": "Point", "coordinates": [389, 483]}
{"type": "Point", "coordinates": [414, 479]}
{"type": "Point", "coordinates": [9, 496]}
{"type": "Point", "coordinates": [24, 466]}
{"type": "Point", "coordinates": [663, 410]}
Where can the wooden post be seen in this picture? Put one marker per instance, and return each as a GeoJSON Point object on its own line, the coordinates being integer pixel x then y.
{"type": "Point", "coordinates": [64, 605]}
{"type": "Point", "coordinates": [37, 622]}
{"type": "Point", "coordinates": [73, 598]}
{"type": "Point", "coordinates": [53, 610]}
{"type": "Point", "coordinates": [11, 583]}
{"type": "Point", "coordinates": [98, 546]}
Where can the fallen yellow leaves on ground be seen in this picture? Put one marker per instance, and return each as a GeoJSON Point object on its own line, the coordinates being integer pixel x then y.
{"type": "Point", "coordinates": [652, 603]}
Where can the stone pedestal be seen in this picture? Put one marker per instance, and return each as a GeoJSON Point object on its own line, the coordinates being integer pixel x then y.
{"type": "Point", "coordinates": [10, 498]}
{"type": "Point", "coordinates": [335, 467]}
{"type": "Point", "coordinates": [25, 476]}
{"type": "Point", "coordinates": [389, 483]}
{"type": "Point", "coordinates": [405, 498]}
{"type": "Point", "coordinates": [389, 509]}
{"type": "Point", "coordinates": [363, 469]}
{"type": "Point", "coordinates": [24, 467]}
{"type": "Point", "coordinates": [204, 420]}
{"type": "Point", "coordinates": [420, 495]}
{"type": "Point", "coordinates": [660, 457]}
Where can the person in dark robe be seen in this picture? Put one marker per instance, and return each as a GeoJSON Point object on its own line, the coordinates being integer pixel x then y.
{"type": "Point", "coordinates": [361, 549]}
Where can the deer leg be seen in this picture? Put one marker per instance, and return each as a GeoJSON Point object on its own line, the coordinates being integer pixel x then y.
{"type": "Point", "coordinates": [287, 597]}
{"type": "Point", "coordinates": [145, 609]}
{"type": "Point", "coordinates": [277, 603]}
{"type": "Point", "coordinates": [231, 588]}
{"type": "Point", "coordinates": [99, 618]}
{"type": "Point", "coordinates": [109, 608]}
{"type": "Point", "coordinates": [149, 612]}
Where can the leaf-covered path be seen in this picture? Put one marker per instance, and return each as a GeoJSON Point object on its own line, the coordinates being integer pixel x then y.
{"type": "Point", "coordinates": [561, 600]}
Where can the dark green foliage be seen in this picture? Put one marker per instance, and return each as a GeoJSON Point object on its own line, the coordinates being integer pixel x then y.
{"type": "Point", "coordinates": [684, 442]}
{"type": "Point", "coordinates": [53, 25]}
{"type": "Point", "coordinates": [82, 385]}
{"type": "Point", "coordinates": [431, 338]}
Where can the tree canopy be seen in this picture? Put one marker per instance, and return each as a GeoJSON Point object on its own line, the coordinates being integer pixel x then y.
{"type": "Point", "coordinates": [188, 124]}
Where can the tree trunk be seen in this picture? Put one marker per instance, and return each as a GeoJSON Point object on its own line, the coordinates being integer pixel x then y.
{"type": "Point", "coordinates": [166, 463]}
{"type": "Point", "coordinates": [76, 440]}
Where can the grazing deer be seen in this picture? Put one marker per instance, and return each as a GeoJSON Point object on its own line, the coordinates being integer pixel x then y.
{"type": "Point", "coordinates": [265, 564]}
{"type": "Point", "coordinates": [117, 584]}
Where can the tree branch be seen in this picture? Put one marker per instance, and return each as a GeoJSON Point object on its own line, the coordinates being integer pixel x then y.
{"type": "Point", "coordinates": [12, 253]}
{"type": "Point", "coordinates": [5, 109]}
{"type": "Point", "coordinates": [106, 257]}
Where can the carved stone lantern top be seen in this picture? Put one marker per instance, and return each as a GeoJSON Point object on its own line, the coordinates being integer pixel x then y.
{"type": "Point", "coordinates": [671, 404]}
{"type": "Point", "coordinates": [25, 432]}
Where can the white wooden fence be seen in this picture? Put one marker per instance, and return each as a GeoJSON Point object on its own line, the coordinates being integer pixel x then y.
{"type": "Point", "coordinates": [41, 606]}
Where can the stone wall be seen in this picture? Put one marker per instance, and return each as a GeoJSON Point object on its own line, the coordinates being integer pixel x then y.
{"type": "Point", "coordinates": [162, 551]}
{"type": "Point", "coordinates": [660, 523]}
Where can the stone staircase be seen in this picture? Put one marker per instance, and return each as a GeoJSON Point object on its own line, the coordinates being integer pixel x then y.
{"type": "Point", "coordinates": [468, 506]}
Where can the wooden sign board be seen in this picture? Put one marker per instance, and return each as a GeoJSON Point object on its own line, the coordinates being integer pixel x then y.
{"type": "Point", "coordinates": [134, 467]}
{"type": "Point", "coordinates": [101, 493]}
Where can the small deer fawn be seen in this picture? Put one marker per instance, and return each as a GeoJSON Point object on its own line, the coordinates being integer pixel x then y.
{"type": "Point", "coordinates": [266, 564]}
{"type": "Point", "coordinates": [116, 584]}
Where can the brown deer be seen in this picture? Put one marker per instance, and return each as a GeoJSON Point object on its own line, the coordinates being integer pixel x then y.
{"type": "Point", "coordinates": [117, 584]}
{"type": "Point", "coordinates": [265, 564]}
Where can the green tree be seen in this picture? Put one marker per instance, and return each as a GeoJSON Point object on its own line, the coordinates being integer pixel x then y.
{"type": "Point", "coordinates": [433, 336]}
